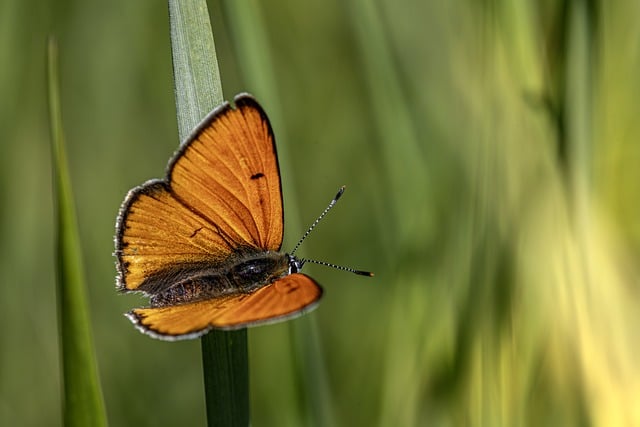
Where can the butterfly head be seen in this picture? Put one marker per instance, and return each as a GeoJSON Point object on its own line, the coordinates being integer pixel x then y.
{"type": "Point", "coordinates": [295, 264]}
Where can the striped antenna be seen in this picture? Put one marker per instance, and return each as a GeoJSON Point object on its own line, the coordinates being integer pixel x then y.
{"type": "Point", "coordinates": [313, 225]}
{"type": "Point", "coordinates": [327, 209]}
{"type": "Point", "coordinates": [337, 267]}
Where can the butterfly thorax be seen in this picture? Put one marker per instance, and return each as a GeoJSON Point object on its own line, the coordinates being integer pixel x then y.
{"type": "Point", "coordinates": [241, 274]}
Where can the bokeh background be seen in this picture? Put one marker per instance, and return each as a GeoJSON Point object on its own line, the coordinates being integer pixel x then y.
{"type": "Point", "coordinates": [491, 153]}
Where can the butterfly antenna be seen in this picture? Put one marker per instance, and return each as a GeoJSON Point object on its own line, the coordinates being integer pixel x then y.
{"type": "Point", "coordinates": [327, 264]}
{"type": "Point", "coordinates": [327, 209]}
{"type": "Point", "coordinates": [338, 267]}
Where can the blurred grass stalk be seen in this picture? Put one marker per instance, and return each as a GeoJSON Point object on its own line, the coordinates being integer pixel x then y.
{"type": "Point", "coordinates": [198, 90]}
{"type": "Point", "coordinates": [604, 315]}
{"type": "Point", "coordinates": [551, 342]}
{"type": "Point", "coordinates": [83, 403]}
{"type": "Point", "coordinates": [404, 166]}
{"type": "Point", "coordinates": [539, 353]}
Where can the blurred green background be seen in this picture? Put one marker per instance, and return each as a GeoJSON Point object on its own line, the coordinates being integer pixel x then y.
{"type": "Point", "coordinates": [491, 154]}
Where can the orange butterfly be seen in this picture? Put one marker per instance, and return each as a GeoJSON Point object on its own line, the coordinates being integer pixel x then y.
{"type": "Point", "coordinates": [204, 242]}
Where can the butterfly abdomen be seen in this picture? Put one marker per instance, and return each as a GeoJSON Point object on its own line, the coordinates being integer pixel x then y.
{"type": "Point", "coordinates": [196, 289]}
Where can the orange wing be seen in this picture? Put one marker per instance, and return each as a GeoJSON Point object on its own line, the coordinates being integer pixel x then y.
{"type": "Point", "coordinates": [222, 194]}
{"type": "Point", "coordinates": [287, 297]}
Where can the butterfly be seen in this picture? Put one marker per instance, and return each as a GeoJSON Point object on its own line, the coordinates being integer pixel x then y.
{"type": "Point", "coordinates": [204, 242]}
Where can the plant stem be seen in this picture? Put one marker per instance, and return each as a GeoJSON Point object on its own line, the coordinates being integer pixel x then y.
{"type": "Point", "coordinates": [198, 91]}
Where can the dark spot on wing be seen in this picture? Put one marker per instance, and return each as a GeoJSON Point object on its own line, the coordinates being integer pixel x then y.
{"type": "Point", "coordinates": [257, 175]}
{"type": "Point", "coordinates": [195, 232]}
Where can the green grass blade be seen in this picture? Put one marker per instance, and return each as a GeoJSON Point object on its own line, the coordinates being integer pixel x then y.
{"type": "Point", "coordinates": [226, 374]}
{"type": "Point", "coordinates": [83, 403]}
{"type": "Point", "coordinates": [195, 65]}
{"type": "Point", "coordinates": [198, 91]}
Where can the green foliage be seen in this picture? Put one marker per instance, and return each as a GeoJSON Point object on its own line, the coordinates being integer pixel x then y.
{"type": "Point", "coordinates": [490, 155]}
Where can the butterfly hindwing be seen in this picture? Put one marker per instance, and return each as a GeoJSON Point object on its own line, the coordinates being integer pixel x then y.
{"type": "Point", "coordinates": [287, 297]}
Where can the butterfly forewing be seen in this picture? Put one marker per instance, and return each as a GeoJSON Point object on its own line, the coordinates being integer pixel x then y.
{"type": "Point", "coordinates": [229, 174]}
{"type": "Point", "coordinates": [222, 195]}
{"type": "Point", "coordinates": [155, 228]}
